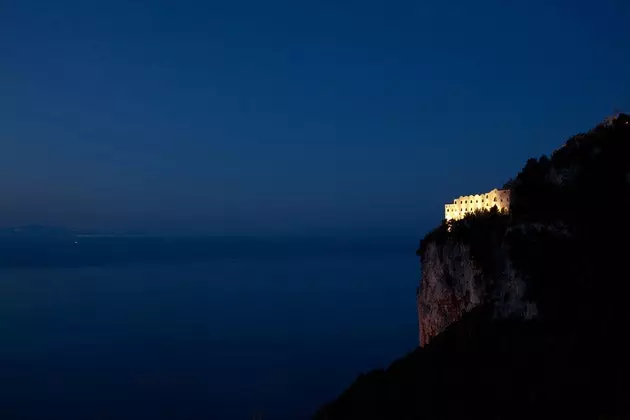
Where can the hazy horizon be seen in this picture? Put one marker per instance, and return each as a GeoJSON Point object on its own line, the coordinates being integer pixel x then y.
{"type": "Point", "coordinates": [330, 233]}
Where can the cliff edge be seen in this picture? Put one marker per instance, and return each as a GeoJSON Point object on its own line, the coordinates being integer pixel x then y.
{"type": "Point", "coordinates": [523, 314]}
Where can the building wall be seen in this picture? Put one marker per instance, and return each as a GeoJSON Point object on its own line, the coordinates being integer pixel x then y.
{"type": "Point", "coordinates": [469, 203]}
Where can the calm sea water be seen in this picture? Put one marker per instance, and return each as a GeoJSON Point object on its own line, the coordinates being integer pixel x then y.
{"type": "Point", "coordinates": [197, 329]}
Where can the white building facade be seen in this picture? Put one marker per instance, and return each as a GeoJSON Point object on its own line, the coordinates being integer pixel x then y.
{"type": "Point", "coordinates": [470, 203]}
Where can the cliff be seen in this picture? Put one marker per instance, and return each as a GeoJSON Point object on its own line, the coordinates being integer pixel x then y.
{"type": "Point", "coordinates": [560, 208]}
{"type": "Point", "coordinates": [522, 315]}
{"type": "Point", "coordinates": [465, 268]}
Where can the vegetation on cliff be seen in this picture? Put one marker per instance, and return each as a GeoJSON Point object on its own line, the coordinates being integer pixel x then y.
{"type": "Point", "coordinates": [481, 230]}
{"type": "Point", "coordinates": [574, 258]}
{"type": "Point", "coordinates": [565, 235]}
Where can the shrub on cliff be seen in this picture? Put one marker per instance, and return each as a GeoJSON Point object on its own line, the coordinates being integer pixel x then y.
{"type": "Point", "coordinates": [438, 236]}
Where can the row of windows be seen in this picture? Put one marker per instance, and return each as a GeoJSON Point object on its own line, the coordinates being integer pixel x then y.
{"type": "Point", "coordinates": [476, 201]}
{"type": "Point", "coordinates": [487, 204]}
{"type": "Point", "coordinates": [455, 211]}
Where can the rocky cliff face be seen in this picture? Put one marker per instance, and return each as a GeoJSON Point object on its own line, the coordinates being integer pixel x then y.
{"type": "Point", "coordinates": [462, 272]}
{"type": "Point", "coordinates": [450, 287]}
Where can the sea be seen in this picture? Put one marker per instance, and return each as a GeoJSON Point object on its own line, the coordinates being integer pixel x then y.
{"type": "Point", "coordinates": [233, 328]}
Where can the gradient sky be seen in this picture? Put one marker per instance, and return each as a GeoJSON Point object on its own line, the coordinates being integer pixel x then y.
{"type": "Point", "coordinates": [281, 117]}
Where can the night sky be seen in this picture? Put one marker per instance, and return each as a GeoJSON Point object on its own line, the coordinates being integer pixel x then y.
{"type": "Point", "coordinates": [296, 117]}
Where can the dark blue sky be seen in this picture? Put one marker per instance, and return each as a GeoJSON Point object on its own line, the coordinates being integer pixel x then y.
{"type": "Point", "coordinates": [249, 116]}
